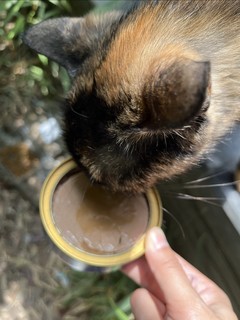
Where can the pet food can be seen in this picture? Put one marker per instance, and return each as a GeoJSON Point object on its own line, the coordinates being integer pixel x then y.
{"type": "Point", "coordinates": [91, 228]}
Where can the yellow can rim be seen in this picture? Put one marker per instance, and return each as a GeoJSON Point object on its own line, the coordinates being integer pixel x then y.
{"type": "Point", "coordinates": [50, 183]}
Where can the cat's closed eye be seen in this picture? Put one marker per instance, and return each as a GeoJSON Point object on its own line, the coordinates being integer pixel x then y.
{"type": "Point", "coordinates": [153, 88]}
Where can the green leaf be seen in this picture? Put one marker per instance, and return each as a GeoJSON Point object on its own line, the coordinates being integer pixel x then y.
{"type": "Point", "coordinates": [14, 10]}
{"type": "Point", "coordinates": [36, 72]}
{"type": "Point", "coordinates": [51, 13]}
{"type": "Point", "coordinates": [8, 4]}
{"type": "Point", "coordinates": [117, 311]}
{"type": "Point", "coordinates": [65, 5]}
{"type": "Point", "coordinates": [55, 69]}
{"type": "Point", "coordinates": [123, 305]}
{"type": "Point", "coordinates": [43, 59]}
{"type": "Point", "coordinates": [55, 2]}
{"type": "Point", "coordinates": [18, 28]}
{"type": "Point", "coordinates": [41, 12]}
{"type": "Point", "coordinates": [65, 80]}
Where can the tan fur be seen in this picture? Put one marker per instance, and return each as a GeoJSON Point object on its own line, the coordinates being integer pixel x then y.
{"type": "Point", "coordinates": [164, 34]}
{"type": "Point", "coordinates": [135, 53]}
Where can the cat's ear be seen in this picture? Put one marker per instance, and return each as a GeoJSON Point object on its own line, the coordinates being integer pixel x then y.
{"type": "Point", "coordinates": [54, 38]}
{"type": "Point", "coordinates": [69, 41]}
{"type": "Point", "coordinates": [175, 95]}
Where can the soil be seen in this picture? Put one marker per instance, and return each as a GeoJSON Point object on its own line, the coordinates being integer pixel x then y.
{"type": "Point", "coordinates": [31, 274]}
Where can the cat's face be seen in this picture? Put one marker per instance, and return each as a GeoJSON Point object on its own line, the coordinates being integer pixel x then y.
{"type": "Point", "coordinates": [136, 112]}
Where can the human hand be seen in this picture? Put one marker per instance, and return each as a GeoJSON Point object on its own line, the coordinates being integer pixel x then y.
{"type": "Point", "coordinates": [172, 288]}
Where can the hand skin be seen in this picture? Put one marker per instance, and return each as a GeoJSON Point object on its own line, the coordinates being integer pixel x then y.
{"type": "Point", "coordinates": [172, 288]}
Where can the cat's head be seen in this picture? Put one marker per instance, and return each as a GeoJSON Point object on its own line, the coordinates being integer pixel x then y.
{"type": "Point", "coordinates": [136, 112]}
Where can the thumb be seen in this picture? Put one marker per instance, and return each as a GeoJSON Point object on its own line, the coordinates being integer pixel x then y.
{"type": "Point", "coordinates": [178, 293]}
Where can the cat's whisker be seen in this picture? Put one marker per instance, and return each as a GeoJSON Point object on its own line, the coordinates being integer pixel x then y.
{"type": "Point", "coordinates": [212, 185]}
{"type": "Point", "coordinates": [176, 220]}
{"type": "Point", "coordinates": [79, 114]}
{"type": "Point", "coordinates": [165, 138]}
{"type": "Point", "coordinates": [178, 134]}
{"type": "Point", "coordinates": [206, 178]}
{"type": "Point", "coordinates": [197, 197]}
{"type": "Point", "coordinates": [207, 200]}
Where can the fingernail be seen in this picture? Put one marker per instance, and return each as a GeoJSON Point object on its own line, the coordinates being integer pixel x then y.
{"type": "Point", "coordinates": [157, 239]}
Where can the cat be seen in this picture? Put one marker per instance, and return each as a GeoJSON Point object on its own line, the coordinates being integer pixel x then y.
{"type": "Point", "coordinates": [154, 88]}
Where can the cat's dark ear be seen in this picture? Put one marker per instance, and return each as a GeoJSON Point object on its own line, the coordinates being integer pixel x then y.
{"type": "Point", "coordinates": [54, 39]}
{"type": "Point", "coordinates": [67, 41]}
{"type": "Point", "coordinates": [175, 95]}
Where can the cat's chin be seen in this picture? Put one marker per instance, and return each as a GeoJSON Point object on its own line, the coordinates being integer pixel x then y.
{"type": "Point", "coordinates": [141, 181]}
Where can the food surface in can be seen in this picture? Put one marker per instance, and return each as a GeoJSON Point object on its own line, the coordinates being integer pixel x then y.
{"type": "Point", "coordinates": [95, 220]}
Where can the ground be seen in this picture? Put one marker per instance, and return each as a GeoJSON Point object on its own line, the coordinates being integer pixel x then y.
{"type": "Point", "coordinates": [34, 282]}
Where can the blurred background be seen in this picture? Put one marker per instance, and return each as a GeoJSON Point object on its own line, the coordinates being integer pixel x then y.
{"type": "Point", "coordinates": [202, 223]}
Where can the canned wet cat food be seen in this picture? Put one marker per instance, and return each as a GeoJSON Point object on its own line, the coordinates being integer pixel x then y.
{"type": "Point", "coordinates": [92, 228]}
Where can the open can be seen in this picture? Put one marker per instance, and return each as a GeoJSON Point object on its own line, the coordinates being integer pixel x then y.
{"type": "Point", "coordinates": [58, 213]}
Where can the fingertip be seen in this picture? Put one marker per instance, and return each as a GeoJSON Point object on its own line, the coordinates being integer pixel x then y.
{"type": "Point", "coordinates": [166, 269]}
{"type": "Point", "coordinates": [156, 239]}
{"type": "Point", "coordinates": [146, 306]}
{"type": "Point", "coordinates": [136, 302]}
{"type": "Point", "coordinates": [137, 295]}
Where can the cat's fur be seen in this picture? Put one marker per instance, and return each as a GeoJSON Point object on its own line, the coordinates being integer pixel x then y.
{"type": "Point", "coordinates": [154, 88]}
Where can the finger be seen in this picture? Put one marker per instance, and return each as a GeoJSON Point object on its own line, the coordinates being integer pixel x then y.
{"type": "Point", "coordinates": [168, 272]}
{"type": "Point", "coordinates": [146, 306]}
{"type": "Point", "coordinates": [139, 272]}
{"type": "Point", "coordinates": [209, 291]}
